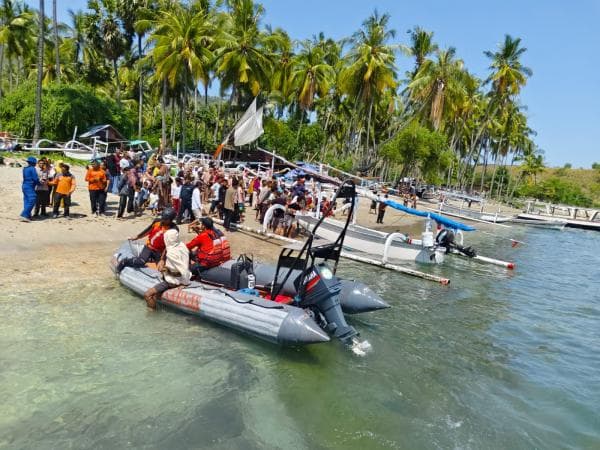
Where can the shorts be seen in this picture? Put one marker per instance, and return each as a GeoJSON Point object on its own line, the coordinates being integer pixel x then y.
{"type": "Point", "coordinates": [163, 286]}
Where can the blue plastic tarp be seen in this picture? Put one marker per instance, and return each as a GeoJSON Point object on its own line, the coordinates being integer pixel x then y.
{"type": "Point", "coordinates": [449, 223]}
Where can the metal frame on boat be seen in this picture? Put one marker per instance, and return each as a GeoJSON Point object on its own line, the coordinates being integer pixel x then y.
{"type": "Point", "coordinates": [393, 245]}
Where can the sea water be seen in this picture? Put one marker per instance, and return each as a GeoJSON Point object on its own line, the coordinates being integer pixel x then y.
{"type": "Point", "coordinates": [497, 359]}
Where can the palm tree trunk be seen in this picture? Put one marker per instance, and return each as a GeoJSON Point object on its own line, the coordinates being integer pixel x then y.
{"type": "Point", "coordinates": [302, 112]}
{"type": "Point", "coordinates": [164, 116]}
{"type": "Point", "coordinates": [40, 69]}
{"type": "Point", "coordinates": [173, 120]}
{"type": "Point", "coordinates": [1, 70]}
{"type": "Point", "coordinates": [140, 89]}
{"type": "Point", "coordinates": [183, 121]}
{"type": "Point", "coordinates": [369, 126]}
{"type": "Point", "coordinates": [494, 176]}
{"type": "Point", "coordinates": [56, 46]}
{"type": "Point", "coordinates": [217, 121]}
{"type": "Point", "coordinates": [116, 70]}
{"type": "Point", "coordinates": [195, 115]}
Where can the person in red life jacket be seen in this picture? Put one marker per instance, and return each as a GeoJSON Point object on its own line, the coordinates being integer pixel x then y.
{"type": "Point", "coordinates": [155, 242]}
{"type": "Point", "coordinates": [209, 248]}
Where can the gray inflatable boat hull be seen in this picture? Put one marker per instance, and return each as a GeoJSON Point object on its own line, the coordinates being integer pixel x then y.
{"type": "Point", "coordinates": [270, 321]}
{"type": "Point", "coordinates": [355, 297]}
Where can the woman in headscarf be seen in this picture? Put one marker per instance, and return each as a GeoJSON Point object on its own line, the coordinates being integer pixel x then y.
{"type": "Point", "coordinates": [174, 267]}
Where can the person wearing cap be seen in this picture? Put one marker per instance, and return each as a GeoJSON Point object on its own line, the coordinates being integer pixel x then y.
{"type": "Point", "coordinates": [97, 185]}
{"type": "Point", "coordinates": [30, 181]}
{"type": "Point", "coordinates": [209, 248]}
{"type": "Point", "coordinates": [174, 267]}
{"type": "Point", "coordinates": [65, 186]}
{"type": "Point", "coordinates": [155, 242]}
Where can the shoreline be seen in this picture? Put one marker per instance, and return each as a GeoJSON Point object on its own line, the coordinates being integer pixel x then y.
{"type": "Point", "coordinates": [55, 251]}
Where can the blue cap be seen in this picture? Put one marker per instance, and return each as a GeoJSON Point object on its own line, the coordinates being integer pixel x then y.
{"type": "Point", "coordinates": [32, 160]}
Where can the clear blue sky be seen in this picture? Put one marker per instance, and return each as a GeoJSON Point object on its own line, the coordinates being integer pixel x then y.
{"type": "Point", "coordinates": [562, 38]}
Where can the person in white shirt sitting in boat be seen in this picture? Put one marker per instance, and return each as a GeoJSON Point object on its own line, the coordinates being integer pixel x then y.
{"type": "Point", "coordinates": [174, 267]}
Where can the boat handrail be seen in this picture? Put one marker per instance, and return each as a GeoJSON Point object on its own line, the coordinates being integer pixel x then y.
{"type": "Point", "coordinates": [388, 244]}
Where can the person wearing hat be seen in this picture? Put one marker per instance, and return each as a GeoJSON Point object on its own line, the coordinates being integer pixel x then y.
{"type": "Point", "coordinates": [209, 248]}
{"type": "Point", "coordinates": [97, 185]}
{"type": "Point", "coordinates": [65, 186]}
{"type": "Point", "coordinates": [30, 181]}
{"type": "Point", "coordinates": [155, 242]}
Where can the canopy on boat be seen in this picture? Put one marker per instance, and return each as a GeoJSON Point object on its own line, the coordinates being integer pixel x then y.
{"type": "Point", "coordinates": [449, 223]}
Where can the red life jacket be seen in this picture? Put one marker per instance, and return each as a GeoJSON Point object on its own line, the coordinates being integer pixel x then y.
{"type": "Point", "coordinates": [218, 254]}
{"type": "Point", "coordinates": [156, 237]}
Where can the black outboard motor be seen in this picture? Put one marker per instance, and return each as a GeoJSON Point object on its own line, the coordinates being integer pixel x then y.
{"type": "Point", "coordinates": [321, 291]}
{"type": "Point", "coordinates": [317, 286]}
{"type": "Point", "coordinates": [445, 238]}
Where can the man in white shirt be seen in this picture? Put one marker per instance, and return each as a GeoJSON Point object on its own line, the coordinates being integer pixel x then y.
{"type": "Point", "coordinates": [197, 201]}
{"type": "Point", "coordinates": [214, 198]}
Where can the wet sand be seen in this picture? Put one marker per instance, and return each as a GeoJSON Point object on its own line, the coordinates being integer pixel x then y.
{"type": "Point", "coordinates": [76, 250]}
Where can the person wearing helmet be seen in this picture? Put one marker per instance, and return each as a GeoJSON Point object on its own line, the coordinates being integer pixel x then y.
{"type": "Point", "coordinates": [30, 181]}
{"type": "Point", "coordinates": [155, 241]}
{"type": "Point", "coordinates": [210, 248]}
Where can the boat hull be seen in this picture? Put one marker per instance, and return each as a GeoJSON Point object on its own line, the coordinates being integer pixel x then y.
{"type": "Point", "coordinates": [270, 321]}
{"type": "Point", "coordinates": [355, 297]}
{"type": "Point", "coordinates": [570, 223]}
{"type": "Point", "coordinates": [373, 242]}
{"type": "Point", "coordinates": [547, 224]}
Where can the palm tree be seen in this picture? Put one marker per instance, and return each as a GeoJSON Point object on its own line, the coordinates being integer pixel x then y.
{"type": "Point", "coordinates": [438, 85]}
{"type": "Point", "coordinates": [280, 45]}
{"type": "Point", "coordinates": [16, 35]}
{"type": "Point", "coordinates": [508, 74]}
{"type": "Point", "coordinates": [370, 69]}
{"type": "Point", "coordinates": [56, 41]}
{"type": "Point", "coordinates": [310, 75]}
{"type": "Point", "coordinates": [77, 34]}
{"type": "Point", "coordinates": [105, 32]}
{"type": "Point", "coordinates": [40, 67]}
{"type": "Point", "coordinates": [244, 63]}
{"type": "Point", "coordinates": [181, 52]}
{"type": "Point", "coordinates": [421, 46]}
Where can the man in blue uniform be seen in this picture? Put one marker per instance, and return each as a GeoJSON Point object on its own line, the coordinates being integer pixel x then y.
{"type": "Point", "coordinates": [30, 181]}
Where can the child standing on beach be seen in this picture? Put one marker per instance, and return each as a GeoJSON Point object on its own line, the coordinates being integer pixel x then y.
{"type": "Point", "coordinates": [381, 210]}
{"type": "Point", "coordinates": [65, 186]}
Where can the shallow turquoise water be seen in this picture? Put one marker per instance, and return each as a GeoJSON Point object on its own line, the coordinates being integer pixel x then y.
{"type": "Point", "coordinates": [495, 360]}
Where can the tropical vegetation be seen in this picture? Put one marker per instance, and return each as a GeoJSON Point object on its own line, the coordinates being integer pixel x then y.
{"type": "Point", "coordinates": [148, 65]}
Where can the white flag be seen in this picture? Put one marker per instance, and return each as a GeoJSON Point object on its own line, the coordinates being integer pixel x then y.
{"type": "Point", "coordinates": [251, 128]}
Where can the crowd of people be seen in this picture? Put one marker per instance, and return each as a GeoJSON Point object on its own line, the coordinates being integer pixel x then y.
{"type": "Point", "coordinates": [193, 190]}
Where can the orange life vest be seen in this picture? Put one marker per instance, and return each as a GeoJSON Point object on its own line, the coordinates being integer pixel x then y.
{"type": "Point", "coordinates": [218, 254]}
{"type": "Point", "coordinates": [156, 237]}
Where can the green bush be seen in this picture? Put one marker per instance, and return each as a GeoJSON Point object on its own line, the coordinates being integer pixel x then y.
{"type": "Point", "coordinates": [282, 137]}
{"type": "Point", "coordinates": [417, 147]}
{"type": "Point", "coordinates": [64, 107]}
{"type": "Point", "coordinates": [556, 190]}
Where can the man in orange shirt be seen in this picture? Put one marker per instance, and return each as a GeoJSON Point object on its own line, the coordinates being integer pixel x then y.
{"type": "Point", "coordinates": [65, 186]}
{"type": "Point", "coordinates": [97, 184]}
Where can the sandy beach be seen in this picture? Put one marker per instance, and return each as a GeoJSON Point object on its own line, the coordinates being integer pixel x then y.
{"type": "Point", "coordinates": [78, 249]}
